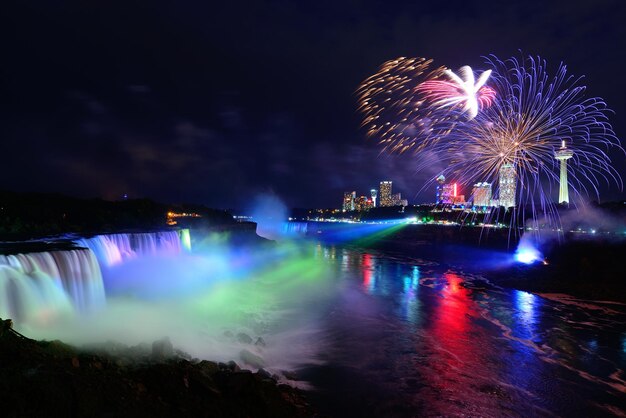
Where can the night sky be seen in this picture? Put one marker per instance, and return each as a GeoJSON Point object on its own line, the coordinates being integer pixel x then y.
{"type": "Point", "coordinates": [217, 102]}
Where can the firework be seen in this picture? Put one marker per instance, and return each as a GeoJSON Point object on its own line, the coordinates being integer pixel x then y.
{"type": "Point", "coordinates": [394, 110]}
{"type": "Point", "coordinates": [531, 118]}
{"type": "Point", "coordinates": [461, 90]}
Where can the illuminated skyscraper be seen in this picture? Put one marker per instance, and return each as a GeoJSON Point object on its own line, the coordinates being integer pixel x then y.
{"type": "Point", "coordinates": [563, 154]}
{"type": "Point", "coordinates": [441, 180]}
{"type": "Point", "coordinates": [481, 194]}
{"type": "Point", "coordinates": [374, 193]}
{"type": "Point", "coordinates": [348, 201]}
{"type": "Point", "coordinates": [447, 193]}
{"type": "Point", "coordinates": [362, 203]}
{"type": "Point", "coordinates": [385, 193]}
{"type": "Point", "coordinates": [507, 185]}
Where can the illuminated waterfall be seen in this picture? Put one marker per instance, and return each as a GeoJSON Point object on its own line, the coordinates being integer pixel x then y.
{"type": "Point", "coordinates": [295, 228]}
{"type": "Point", "coordinates": [34, 286]}
{"type": "Point", "coordinates": [48, 280]}
{"type": "Point", "coordinates": [112, 249]}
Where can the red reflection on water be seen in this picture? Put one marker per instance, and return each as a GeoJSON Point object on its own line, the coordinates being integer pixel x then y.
{"type": "Point", "coordinates": [368, 279]}
{"type": "Point", "coordinates": [451, 321]}
{"type": "Point", "coordinates": [456, 342]}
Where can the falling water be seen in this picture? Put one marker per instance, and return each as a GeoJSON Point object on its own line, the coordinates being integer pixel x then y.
{"type": "Point", "coordinates": [295, 229]}
{"type": "Point", "coordinates": [112, 249]}
{"type": "Point", "coordinates": [44, 276]}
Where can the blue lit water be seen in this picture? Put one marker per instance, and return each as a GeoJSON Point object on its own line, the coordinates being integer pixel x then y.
{"type": "Point", "coordinates": [411, 337]}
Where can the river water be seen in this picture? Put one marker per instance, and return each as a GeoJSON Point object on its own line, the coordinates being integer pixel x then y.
{"type": "Point", "coordinates": [407, 337]}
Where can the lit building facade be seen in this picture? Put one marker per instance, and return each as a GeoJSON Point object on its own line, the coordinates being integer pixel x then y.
{"type": "Point", "coordinates": [481, 194]}
{"type": "Point", "coordinates": [446, 193]}
{"type": "Point", "coordinates": [374, 194]}
{"type": "Point", "coordinates": [507, 186]}
{"type": "Point", "coordinates": [363, 203]}
{"type": "Point", "coordinates": [385, 193]}
{"type": "Point", "coordinates": [349, 201]}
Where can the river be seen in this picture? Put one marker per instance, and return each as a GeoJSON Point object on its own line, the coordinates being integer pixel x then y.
{"type": "Point", "coordinates": [407, 336]}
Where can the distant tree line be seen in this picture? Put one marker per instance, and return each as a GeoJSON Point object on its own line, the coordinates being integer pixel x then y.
{"type": "Point", "coordinates": [24, 215]}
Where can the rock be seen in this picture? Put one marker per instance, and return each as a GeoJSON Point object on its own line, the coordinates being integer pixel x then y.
{"type": "Point", "coordinates": [209, 367]}
{"type": "Point", "coordinates": [264, 374]}
{"type": "Point", "coordinates": [289, 375]}
{"type": "Point", "coordinates": [244, 338]}
{"type": "Point", "coordinates": [162, 349]}
{"type": "Point", "coordinates": [251, 359]}
{"type": "Point", "coordinates": [63, 381]}
{"type": "Point", "coordinates": [260, 342]}
{"type": "Point", "coordinates": [6, 325]}
{"type": "Point", "coordinates": [183, 354]}
{"type": "Point", "coordinates": [233, 367]}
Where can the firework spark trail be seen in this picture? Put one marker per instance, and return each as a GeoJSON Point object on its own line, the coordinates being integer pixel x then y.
{"type": "Point", "coordinates": [394, 110]}
{"type": "Point", "coordinates": [531, 115]}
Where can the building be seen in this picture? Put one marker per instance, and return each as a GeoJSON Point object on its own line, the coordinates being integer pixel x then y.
{"type": "Point", "coordinates": [349, 201]}
{"type": "Point", "coordinates": [563, 154]}
{"type": "Point", "coordinates": [363, 203]}
{"type": "Point", "coordinates": [481, 194]}
{"type": "Point", "coordinates": [395, 199]}
{"type": "Point", "coordinates": [446, 193]}
{"type": "Point", "coordinates": [374, 194]}
{"type": "Point", "coordinates": [385, 193]}
{"type": "Point", "coordinates": [507, 185]}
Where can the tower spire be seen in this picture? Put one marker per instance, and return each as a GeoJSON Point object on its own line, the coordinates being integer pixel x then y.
{"type": "Point", "coordinates": [563, 154]}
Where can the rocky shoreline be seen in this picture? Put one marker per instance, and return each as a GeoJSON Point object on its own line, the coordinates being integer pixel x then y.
{"type": "Point", "coordinates": [50, 378]}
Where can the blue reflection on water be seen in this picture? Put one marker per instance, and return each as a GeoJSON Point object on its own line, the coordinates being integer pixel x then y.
{"type": "Point", "coordinates": [526, 305]}
{"type": "Point", "coordinates": [410, 303]}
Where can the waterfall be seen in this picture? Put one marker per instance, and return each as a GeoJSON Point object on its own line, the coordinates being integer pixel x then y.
{"type": "Point", "coordinates": [35, 296]}
{"type": "Point", "coordinates": [39, 284]}
{"type": "Point", "coordinates": [292, 228]}
{"type": "Point", "coordinates": [112, 249]}
{"type": "Point", "coordinates": [36, 281]}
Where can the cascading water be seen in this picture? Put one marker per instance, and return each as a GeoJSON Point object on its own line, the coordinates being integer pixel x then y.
{"type": "Point", "coordinates": [45, 281]}
{"type": "Point", "coordinates": [112, 249]}
{"type": "Point", "coordinates": [208, 301]}
{"type": "Point", "coordinates": [295, 228]}
{"type": "Point", "coordinates": [37, 285]}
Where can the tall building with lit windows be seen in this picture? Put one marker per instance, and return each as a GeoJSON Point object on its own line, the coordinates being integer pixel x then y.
{"type": "Point", "coordinates": [481, 194]}
{"type": "Point", "coordinates": [363, 203]}
{"type": "Point", "coordinates": [507, 184]}
{"type": "Point", "coordinates": [349, 201]}
{"type": "Point", "coordinates": [385, 194]}
{"type": "Point", "coordinates": [448, 193]}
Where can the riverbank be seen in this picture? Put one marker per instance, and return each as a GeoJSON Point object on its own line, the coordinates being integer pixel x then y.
{"type": "Point", "coordinates": [583, 266]}
{"type": "Point", "coordinates": [50, 378]}
{"type": "Point", "coordinates": [585, 269]}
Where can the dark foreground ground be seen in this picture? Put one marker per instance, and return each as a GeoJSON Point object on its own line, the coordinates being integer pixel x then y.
{"type": "Point", "coordinates": [40, 378]}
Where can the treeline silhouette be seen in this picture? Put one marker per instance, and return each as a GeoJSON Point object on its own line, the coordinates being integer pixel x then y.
{"type": "Point", "coordinates": [24, 215]}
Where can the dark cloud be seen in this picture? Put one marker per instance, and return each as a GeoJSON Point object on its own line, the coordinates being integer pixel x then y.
{"type": "Point", "coordinates": [214, 103]}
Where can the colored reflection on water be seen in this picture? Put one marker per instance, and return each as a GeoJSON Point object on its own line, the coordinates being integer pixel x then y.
{"type": "Point", "coordinates": [411, 338]}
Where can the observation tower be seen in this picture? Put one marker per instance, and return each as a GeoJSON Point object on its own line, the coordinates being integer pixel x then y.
{"type": "Point", "coordinates": [563, 154]}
